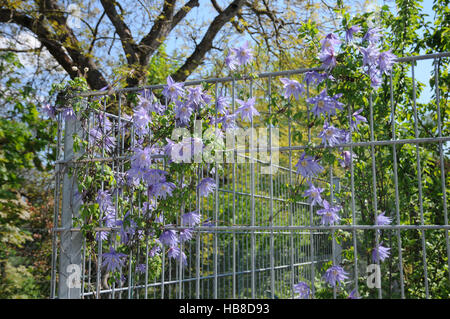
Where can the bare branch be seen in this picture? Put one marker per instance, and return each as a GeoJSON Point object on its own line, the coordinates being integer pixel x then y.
{"type": "Point", "coordinates": [62, 46]}
{"type": "Point", "coordinates": [95, 32]}
{"type": "Point", "coordinates": [128, 44]}
{"type": "Point", "coordinates": [195, 59]}
{"type": "Point", "coordinates": [165, 23]}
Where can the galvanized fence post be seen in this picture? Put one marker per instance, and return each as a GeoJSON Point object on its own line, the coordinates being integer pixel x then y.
{"type": "Point", "coordinates": [71, 241]}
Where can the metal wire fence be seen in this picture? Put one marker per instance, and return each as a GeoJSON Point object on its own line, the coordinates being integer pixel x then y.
{"type": "Point", "coordinates": [258, 243]}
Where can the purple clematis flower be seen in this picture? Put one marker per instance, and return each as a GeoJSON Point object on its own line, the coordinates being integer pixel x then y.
{"type": "Point", "coordinates": [169, 238]}
{"type": "Point", "coordinates": [315, 78]}
{"type": "Point", "coordinates": [68, 114]}
{"type": "Point", "coordinates": [330, 135]}
{"type": "Point", "coordinates": [148, 207]}
{"type": "Point", "coordinates": [370, 55]}
{"type": "Point", "coordinates": [128, 231]}
{"type": "Point", "coordinates": [104, 200]}
{"type": "Point", "coordinates": [148, 101]}
{"type": "Point", "coordinates": [314, 193]}
{"type": "Point", "coordinates": [108, 143]}
{"type": "Point", "coordinates": [183, 111]}
{"type": "Point", "coordinates": [48, 110]}
{"type": "Point", "coordinates": [197, 97]}
{"type": "Point", "coordinates": [147, 104]}
{"type": "Point", "coordinates": [173, 90]}
{"type": "Point", "coordinates": [182, 259]}
{"type": "Point", "coordinates": [372, 35]}
{"type": "Point", "coordinates": [383, 220]}
{"type": "Point", "coordinates": [329, 42]}
{"type": "Point", "coordinates": [243, 54]}
{"type": "Point", "coordinates": [375, 77]}
{"type": "Point", "coordinates": [104, 124]}
{"type": "Point", "coordinates": [380, 253]}
{"type": "Point", "coordinates": [142, 158]}
{"type": "Point", "coordinates": [247, 109]}
{"type": "Point", "coordinates": [141, 268]}
{"type": "Point", "coordinates": [336, 105]}
{"type": "Point", "coordinates": [155, 176]}
{"type": "Point", "coordinates": [191, 219]}
{"type": "Point", "coordinates": [231, 61]}
{"type": "Point", "coordinates": [228, 121]}
{"type": "Point", "coordinates": [186, 235]}
{"type": "Point", "coordinates": [346, 159]}
{"type": "Point", "coordinates": [302, 288]}
{"type": "Point", "coordinates": [353, 295]}
{"type": "Point", "coordinates": [386, 60]}
{"type": "Point", "coordinates": [335, 274]}
{"type": "Point", "coordinates": [292, 88]}
{"type": "Point", "coordinates": [350, 31]}
{"type": "Point", "coordinates": [222, 105]}
{"type": "Point", "coordinates": [173, 252]}
{"type": "Point", "coordinates": [328, 58]}
{"type": "Point", "coordinates": [141, 120]}
{"type": "Point", "coordinates": [113, 260]}
{"type": "Point", "coordinates": [159, 219]}
{"type": "Point", "coordinates": [101, 235]}
{"type": "Point", "coordinates": [156, 249]}
{"type": "Point", "coordinates": [109, 216]}
{"type": "Point", "coordinates": [164, 189]}
{"type": "Point", "coordinates": [344, 137]}
{"type": "Point", "coordinates": [356, 119]}
{"type": "Point", "coordinates": [322, 104]}
{"type": "Point", "coordinates": [206, 186]}
{"type": "Point", "coordinates": [329, 213]}
{"type": "Point", "coordinates": [135, 175]}
{"type": "Point", "coordinates": [307, 166]}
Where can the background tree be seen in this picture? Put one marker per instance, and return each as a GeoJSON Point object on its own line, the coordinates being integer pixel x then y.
{"type": "Point", "coordinates": [115, 40]}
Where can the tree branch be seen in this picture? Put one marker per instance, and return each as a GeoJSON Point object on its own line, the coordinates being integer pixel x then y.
{"type": "Point", "coordinates": [67, 55]}
{"type": "Point", "coordinates": [165, 23]}
{"type": "Point", "coordinates": [195, 59]}
{"type": "Point", "coordinates": [129, 46]}
{"type": "Point", "coordinates": [234, 23]}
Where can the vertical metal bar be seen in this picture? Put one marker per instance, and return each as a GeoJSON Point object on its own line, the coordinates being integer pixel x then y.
{"type": "Point", "coordinates": [146, 266]}
{"type": "Point", "coordinates": [272, 258]}
{"type": "Point", "coordinates": [89, 272]}
{"type": "Point", "coordinates": [56, 208]}
{"type": "Point", "coordinates": [100, 241]}
{"type": "Point", "coordinates": [116, 202]}
{"type": "Point", "coordinates": [252, 186]}
{"type": "Point", "coordinates": [441, 161]}
{"type": "Point", "coordinates": [291, 206]}
{"type": "Point", "coordinates": [83, 262]}
{"type": "Point", "coordinates": [311, 209]}
{"type": "Point", "coordinates": [352, 176]}
{"type": "Point", "coordinates": [180, 264]}
{"type": "Point", "coordinates": [197, 266]}
{"type": "Point", "coordinates": [216, 206]}
{"type": "Point", "coordinates": [419, 177]}
{"type": "Point", "coordinates": [233, 90]}
{"type": "Point", "coordinates": [130, 282]}
{"type": "Point", "coordinates": [374, 183]}
{"type": "Point", "coordinates": [163, 271]}
{"type": "Point", "coordinates": [333, 236]}
{"type": "Point", "coordinates": [397, 204]}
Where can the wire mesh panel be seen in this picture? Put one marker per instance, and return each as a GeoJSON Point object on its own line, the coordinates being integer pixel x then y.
{"type": "Point", "coordinates": [254, 240]}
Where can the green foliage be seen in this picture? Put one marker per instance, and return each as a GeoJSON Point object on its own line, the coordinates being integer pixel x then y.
{"type": "Point", "coordinates": [25, 145]}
